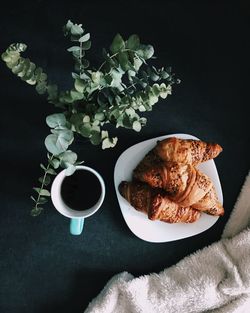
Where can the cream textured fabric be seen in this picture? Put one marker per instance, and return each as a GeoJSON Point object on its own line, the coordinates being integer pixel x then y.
{"type": "Point", "coordinates": [215, 279]}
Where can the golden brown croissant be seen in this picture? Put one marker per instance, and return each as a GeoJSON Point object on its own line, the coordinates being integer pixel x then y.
{"type": "Point", "coordinates": [156, 204]}
{"type": "Point", "coordinates": [183, 183]}
{"type": "Point", "coordinates": [210, 204]}
{"type": "Point", "coordinates": [187, 151]}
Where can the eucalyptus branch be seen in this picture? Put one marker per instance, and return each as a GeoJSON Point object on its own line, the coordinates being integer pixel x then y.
{"type": "Point", "coordinates": [124, 86]}
{"type": "Point", "coordinates": [42, 192]}
{"type": "Point", "coordinates": [110, 57]}
{"type": "Point", "coordinates": [138, 82]}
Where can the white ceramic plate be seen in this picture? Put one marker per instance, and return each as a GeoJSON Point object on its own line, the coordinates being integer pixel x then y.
{"type": "Point", "coordinates": [139, 224]}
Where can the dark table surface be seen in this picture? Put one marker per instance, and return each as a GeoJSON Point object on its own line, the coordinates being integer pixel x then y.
{"type": "Point", "coordinates": [42, 267]}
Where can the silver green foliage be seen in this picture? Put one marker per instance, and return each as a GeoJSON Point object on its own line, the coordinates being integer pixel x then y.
{"type": "Point", "coordinates": [117, 92]}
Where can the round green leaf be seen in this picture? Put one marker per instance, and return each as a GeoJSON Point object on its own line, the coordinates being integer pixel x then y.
{"type": "Point", "coordinates": [56, 120]}
{"type": "Point", "coordinates": [74, 49]}
{"type": "Point", "coordinates": [164, 75]}
{"type": "Point", "coordinates": [68, 157]}
{"type": "Point", "coordinates": [52, 92]}
{"type": "Point", "coordinates": [143, 121]}
{"type": "Point", "coordinates": [18, 68]}
{"type": "Point", "coordinates": [45, 180]}
{"type": "Point", "coordinates": [37, 189]}
{"type": "Point", "coordinates": [55, 163]}
{"type": "Point", "coordinates": [118, 44]}
{"type": "Point", "coordinates": [76, 121]}
{"type": "Point", "coordinates": [51, 171]}
{"type": "Point", "coordinates": [36, 211]}
{"type": "Point", "coordinates": [146, 51]}
{"type": "Point", "coordinates": [86, 119]}
{"type": "Point", "coordinates": [152, 99]}
{"type": "Point", "coordinates": [79, 85]}
{"type": "Point", "coordinates": [44, 192]}
{"type": "Point", "coordinates": [29, 72]}
{"type": "Point", "coordinates": [43, 167]}
{"type": "Point", "coordinates": [26, 63]}
{"type": "Point", "coordinates": [67, 27]}
{"type": "Point", "coordinates": [42, 200]}
{"type": "Point", "coordinates": [70, 170]}
{"type": "Point", "coordinates": [156, 90]}
{"type": "Point", "coordinates": [165, 90]}
{"type": "Point", "coordinates": [124, 61]}
{"type": "Point", "coordinates": [133, 42]}
{"type": "Point", "coordinates": [76, 30]}
{"type": "Point", "coordinates": [86, 45]}
{"type": "Point", "coordinates": [142, 108]}
{"type": "Point", "coordinates": [95, 138]}
{"type": "Point", "coordinates": [75, 95]}
{"type": "Point", "coordinates": [99, 116]}
{"type": "Point", "coordinates": [41, 88]}
{"type": "Point", "coordinates": [130, 112]}
{"type": "Point", "coordinates": [137, 63]}
{"type": "Point", "coordinates": [84, 38]}
{"type": "Point", "coordinates": [85, 130]}
{"type": "Point", "coordinates": [137, 126]}
{"type": "Point", "coordinates": [109, 142]}
{"type": "Point", "coordinates": [116, 78]}
{"type": "Point", "coordinates": [58, 142]}
{"type": "Point", "coordinates": [85, 63]}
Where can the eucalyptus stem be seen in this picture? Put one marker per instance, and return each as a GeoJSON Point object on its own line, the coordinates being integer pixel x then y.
{"type": "Point", "coordinates": [80, 59]}
{"type": "Point", "coordinates": [136, 83]}
{"type": "Point", "coordinates": [114, 55]}
{"type": "Point", "coordinates": [37, 210]}
{"type": "Point", "coordinates": [111, 57]}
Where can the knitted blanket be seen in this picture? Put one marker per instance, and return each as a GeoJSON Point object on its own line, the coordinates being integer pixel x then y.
{"type": "Point", "coordinates": [215, 279]}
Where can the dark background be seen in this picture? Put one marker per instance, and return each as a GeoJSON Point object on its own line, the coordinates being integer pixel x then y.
{"type": "Point", "coordinates": [44, 268]}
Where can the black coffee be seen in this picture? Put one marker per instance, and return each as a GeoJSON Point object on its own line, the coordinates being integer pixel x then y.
{"type": "Point", "coordinates": [81, 190]}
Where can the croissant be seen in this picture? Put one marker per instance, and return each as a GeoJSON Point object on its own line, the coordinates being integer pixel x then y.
{"type": "Point", "coordinates": [210, 204]}
{"type": "Point", "coordinates": [187, 151]}
{"type": "Point", "coordinates": [155, 204]}
{"type": "Point", "coordinates": [183, 183]}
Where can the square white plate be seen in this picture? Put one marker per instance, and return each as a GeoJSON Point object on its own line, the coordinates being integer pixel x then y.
{"type": "Point", "coordinates": [139, 224]}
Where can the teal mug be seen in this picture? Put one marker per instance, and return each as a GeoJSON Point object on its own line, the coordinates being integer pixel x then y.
{"type": "Point", "coordinates": [76, 217]}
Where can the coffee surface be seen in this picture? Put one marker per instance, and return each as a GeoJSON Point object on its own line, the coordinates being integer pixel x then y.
{"type": "Point", "coordinates": [81, 190]}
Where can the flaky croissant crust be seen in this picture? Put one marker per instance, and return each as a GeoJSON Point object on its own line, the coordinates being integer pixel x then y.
{"type": "Point", "coordinates": [183, 183]}
{"type": "Point", "coordinates": [167, 186]}
{"type": "Point", "coordinates": [156, 204]}
{"type": "Point", "coordinates": [187, 151]}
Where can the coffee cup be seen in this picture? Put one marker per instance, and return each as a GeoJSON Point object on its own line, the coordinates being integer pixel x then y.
{"type": "Point", "coordinates": [76, 196]}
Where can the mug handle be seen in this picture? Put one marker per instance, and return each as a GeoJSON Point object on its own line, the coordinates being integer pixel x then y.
{"type": "Point", "coordinates": [76, 225]}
